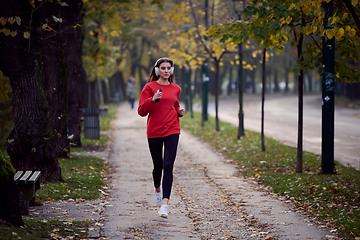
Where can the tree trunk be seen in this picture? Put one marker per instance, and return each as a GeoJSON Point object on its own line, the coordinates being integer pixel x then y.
{"type": "Point", "coordinates": [299, 161]}
{"type": "Point", "coordinates": [263, 100]}
{"type": "Point", "coordinates": [29, 144]}
{"type": "Point", "coordinates": [230, 83]}
{"type": "Point", "coordinates": [286, 79]}
{"type": "Point", "coordinates": [36, 72]}
{"type": "Point", "coordinates": [253, 81]}
{"type": "Point", "coordinates": [276, 81]}
{"type": "Point", "coordinates": [55, 86]}
{"type": "Point", "coordinates": [217, 63]}
{"type": "Point", "coordinates": [73, 40]}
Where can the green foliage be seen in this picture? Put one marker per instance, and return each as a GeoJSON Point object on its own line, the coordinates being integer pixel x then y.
{"type": "Point", "coordinates": [6, 119]}
{"type": "Point", "coordinates": [331, 199]}
{"type": "Point", "coordinates": [6, 169]}
{"type": "Point", "coordinates": [5, 89]}
{"type": "Point", "coordinates": [270, 23]}
{"type": "Point", "coordinates": [82, 180]}
{"type": "Point", "coordinates": [111, 31]}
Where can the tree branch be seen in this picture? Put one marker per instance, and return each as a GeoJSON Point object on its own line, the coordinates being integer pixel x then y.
{"type": "Point", "coordinates": [198, 31]}
{"type": "Point", "coordinates": [351, 9]}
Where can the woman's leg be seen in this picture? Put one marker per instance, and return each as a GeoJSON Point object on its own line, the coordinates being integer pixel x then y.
{"type": "Point", "coordinates": [156, 146]}
{"type": "Point", "coordinates": [170, 143]}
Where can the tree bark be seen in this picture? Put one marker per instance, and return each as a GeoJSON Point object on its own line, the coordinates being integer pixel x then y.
{"type": "Point", "coordinates": [37, 73]}
{"type": "Point", "coordinates": [263, 148]}
{"type": "Point", "coordinates": [217, 69]}
{"type": "Point", "coordinates": [73, 40]}
{"type": "Point", "coordinates": [299, 159]}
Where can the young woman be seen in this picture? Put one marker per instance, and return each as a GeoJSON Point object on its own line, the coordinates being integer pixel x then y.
{"type": "Point", "coordinates": [159, 100]}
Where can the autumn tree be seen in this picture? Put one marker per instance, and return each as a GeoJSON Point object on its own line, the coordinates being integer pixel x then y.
{"type": "Point", "coordinates": [34, 40]}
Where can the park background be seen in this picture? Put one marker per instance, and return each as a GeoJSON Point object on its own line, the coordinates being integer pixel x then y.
{"type": "Point", "coordinates": [61, 57]}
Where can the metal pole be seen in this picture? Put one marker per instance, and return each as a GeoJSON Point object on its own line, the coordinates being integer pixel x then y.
{"type": "Point", "coordinates": [205, 77]}
{"type": "Point", "coordinates": [328, 97]}
{"type": "Point", "coordinates": [187, 89]}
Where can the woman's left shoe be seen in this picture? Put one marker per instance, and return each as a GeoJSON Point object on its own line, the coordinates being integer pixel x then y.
{"type": "Point", "coordinates": [158, 198]}
{"type": "Point", "coordinates": [163, 212]}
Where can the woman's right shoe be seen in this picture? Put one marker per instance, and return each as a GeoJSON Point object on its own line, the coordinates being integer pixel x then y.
{"type": "Point", "coordinates": [158, 198]}
{"type": "Point", "coordinates": [163, 212]}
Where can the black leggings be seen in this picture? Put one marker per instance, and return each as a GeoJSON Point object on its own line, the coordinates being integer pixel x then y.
{"type": "Point", "coordinates": [167, 163]}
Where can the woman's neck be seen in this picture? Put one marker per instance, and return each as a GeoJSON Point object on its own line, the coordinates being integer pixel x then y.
{"type": "Point", "coordinates": [163, 81]}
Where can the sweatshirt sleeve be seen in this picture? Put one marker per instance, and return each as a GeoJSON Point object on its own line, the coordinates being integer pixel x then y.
{"type": "Point", "coordinates": [177, 104]}
{"type": "Point", "coordinates": [145, 102]}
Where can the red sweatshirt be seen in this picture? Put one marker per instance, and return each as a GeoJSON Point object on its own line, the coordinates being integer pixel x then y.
{"type": "Point", "coordinates": [163, 116]}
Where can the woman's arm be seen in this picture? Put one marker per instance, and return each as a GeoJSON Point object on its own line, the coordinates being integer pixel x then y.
{"type": "Point", "coordinates": [145, 102]}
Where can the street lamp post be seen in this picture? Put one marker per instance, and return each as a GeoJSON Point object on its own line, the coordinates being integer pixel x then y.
{"type": "Point", "coordinates": [187, 88]}
{"type": "Point", "coordinates": [328, 97]}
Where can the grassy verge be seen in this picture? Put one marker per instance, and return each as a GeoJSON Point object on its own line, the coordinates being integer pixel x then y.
{"type": "Point", "coordinates": [330, 199]}
{"type": "Point", "coordinates": [82, 180]}
{"type": "Point", "coordinates": [83, 177]}
{"type": "Point", "coordinates": [46, 229]}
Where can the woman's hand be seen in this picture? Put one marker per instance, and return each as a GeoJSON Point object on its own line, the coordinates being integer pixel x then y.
{"type": "Point", "coordinates": [181, 112]}
{"type": "Point", "coordinates": [157, 96]}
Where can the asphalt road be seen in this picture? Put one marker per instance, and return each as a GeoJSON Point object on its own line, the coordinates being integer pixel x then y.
{"type": "Point", "coordinates": [281, 123]}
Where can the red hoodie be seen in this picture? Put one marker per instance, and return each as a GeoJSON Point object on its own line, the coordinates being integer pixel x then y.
{"type": "Point", "coordinates": [163, 116]}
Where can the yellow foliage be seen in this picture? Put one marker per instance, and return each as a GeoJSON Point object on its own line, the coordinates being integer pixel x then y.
{"type": "Point", "coordinates": [26, 35]}
{"type": "Point", "coordinates": [288, 20]}
{"type": "Point", "coordinates": [104, 28]}
{"type": "Point", "coordinates": [314, 29]}
{"type": "Point", "coordinates": [114, 34]}
{"type": "Point", "coordinates": [201, 12]}
{"type": "Point", "coordinates": [101, 39]}
{"type": "Point", "coordinates": [329, 33]}
{"type": "Point", "coordinates": [339, 33]}
{"type": "Point", "coordinates": [193, 63]}
{"type": "Point", "coordinates": [352, 32]}
{"type": "Point", "coordinates": [3, 21]}
{"type": "Point", "coordinates": [254, 54]}
{"type": "Point", "coordinates": [292, 5]}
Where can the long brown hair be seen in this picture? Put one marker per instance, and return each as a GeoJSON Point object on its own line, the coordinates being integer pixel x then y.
{"type": "Point", "coordinates": [153, 76]}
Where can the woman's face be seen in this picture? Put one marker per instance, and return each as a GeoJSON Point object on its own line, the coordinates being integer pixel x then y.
{"type": "Point", "coordinates": [165, 70]}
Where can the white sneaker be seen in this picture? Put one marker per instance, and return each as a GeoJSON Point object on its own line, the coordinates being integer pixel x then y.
{"type": "Point", "coordinates": [158, 198]}
{"type": "Point", "coordinates": [163, 212]}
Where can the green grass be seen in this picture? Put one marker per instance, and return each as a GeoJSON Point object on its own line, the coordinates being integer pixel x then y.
{"type": "Point", "coordinates": [83, 177]}
{"type": "Point", "coordinates": [46, 229]}
{"type": "Point", "coordinates": [331, 199]}
{"type": "Point", "coordinates": [82, 180]}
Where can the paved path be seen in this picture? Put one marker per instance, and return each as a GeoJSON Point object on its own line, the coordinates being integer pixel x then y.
{"type": "Point", "coordinates": [210, 199]}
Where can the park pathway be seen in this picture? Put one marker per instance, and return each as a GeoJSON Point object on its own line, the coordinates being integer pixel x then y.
{"type": "Point", "coordinates": [210, 199]}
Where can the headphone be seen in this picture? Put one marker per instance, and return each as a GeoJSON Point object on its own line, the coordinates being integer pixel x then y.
{"type": "Point", "coordinates": [157, 71]}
